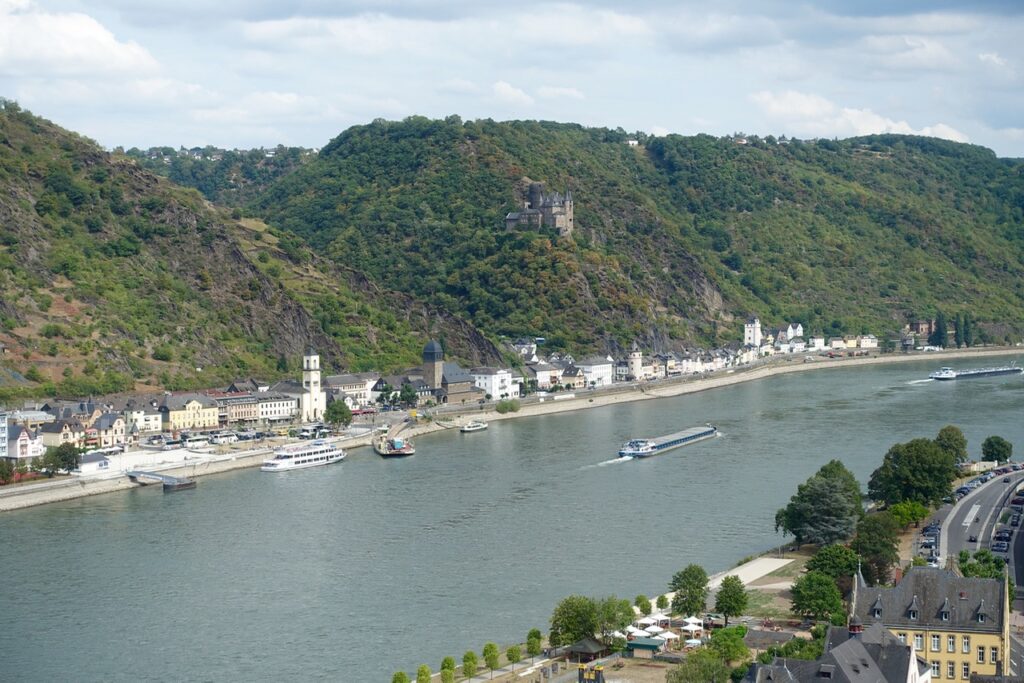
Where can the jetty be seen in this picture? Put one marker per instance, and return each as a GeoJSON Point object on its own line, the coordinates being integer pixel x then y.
{"type": "Point", "coordinates": [169, 483]}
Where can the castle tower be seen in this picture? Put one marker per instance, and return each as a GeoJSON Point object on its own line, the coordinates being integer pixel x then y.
{"type": "Point", "coordinates": [636, 361]}
{"type": "Point", "coordinates": [314, 400]}
{"type": "Point", "coordinates": [570, 224]}
{"type": "Point", "coordinates": [433, 364]}
{"type": "Point", "coordinates": [752, 332]}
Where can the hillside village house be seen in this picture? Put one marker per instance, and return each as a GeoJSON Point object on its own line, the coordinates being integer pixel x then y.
{"type": "Point", "coordinates": [61, 432]}
{"type": "Point", "coordinates": [142, 417]}
{"type": "Point", "coordinates": [597, 371]}
{"type": "Point", "coordinates": [358, 386]}
{"type": "Point", "coordinates": [188, 411]}
{"type": "Point", "coordinates": [545, 375]}
{"type": "Point", "coordinates": [110, 430]}
{"type": "Point", "coordinates": [23, 444]}
{"type": "Point", "coordinates": [495, 382]}
{"type": "Point", "coordinates": [242, 408]}
{"type": "Point", "coordinates": [572, 377]}
{"type": "Point", "coordinates": [961, 626]}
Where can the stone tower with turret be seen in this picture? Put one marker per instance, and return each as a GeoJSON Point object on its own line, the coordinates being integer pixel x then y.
{"type": "Point", "coordinates": [433, 364]}
{"type": "Point", "coordinates": [636, 361]}
{"type": "Point", "coordinates": [554, 211]}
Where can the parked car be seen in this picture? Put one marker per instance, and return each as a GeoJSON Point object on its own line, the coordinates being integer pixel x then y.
{"type": "Point", "coordinates": [1017, 501]}
{"type": "Point", "coordinates": [972, 539]}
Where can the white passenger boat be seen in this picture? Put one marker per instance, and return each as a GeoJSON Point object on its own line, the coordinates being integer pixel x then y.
{"type": "Point", "coordinates": [473, 426]}
{"type": "Point", "coordinates": [300, 455]}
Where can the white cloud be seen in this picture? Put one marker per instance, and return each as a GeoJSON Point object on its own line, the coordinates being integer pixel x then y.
{"type": "Point", "coordinates": [552, 92]}
{"type": "Point", "coordinates": [509, 94]}
{"type": "Point", "coordinates": [992, 58]}
{"type": "Point", "coordinates": [809, 115]}
{"type": "Point", "coordinates": [36, 44]}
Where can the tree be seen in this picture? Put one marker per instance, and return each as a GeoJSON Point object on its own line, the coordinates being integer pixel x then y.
{"type": "Point", "coordinates": [984, 564]}
{"type": "Point", "coordinates": [574, 618]}
{"type": "Point", "coordinates": [958, 330]}
{"type": "Point", "coordinates": [338, 414]}
{"type": "Point", "coordinates": [643, 604]}
{"type": "Point", "coordinates": [63, 457]}
{"type": "Point", "coordinates": [447, 676]}
{"type": "Point", "coordinates": [731, 599]}
{"type": "Point", "coordinates": [917, 470]}
{"type": "Point", "coordinates": [908, 512]}
{"type": "Point", "coordinates": [423, 674]}
{"type": "Point", "coordinates": [661, 602]}
{"type": "Point", "coordinates": [400, 677]}
{"type": "Point", "coordinates": [834, 560]}
{"type": "Point", "coordinates": [952, 440]}
{"type": "Point", "coordinates": [701, 666]}
{"type": "Point", "coordinates": [815, 595]}
{"type": "Point", "coordinates": [6, 472]}
{"type": "Point", "coordinates": [691, 590]}
{"type": "Point", "coordinates": [448, 663]}
{"type": "Point", "coordinates": [836, 470]}
{"type": "Point", "coordinates": [533, 647]}
{"type": "Point", "coordinates": [968, 330]}
{"type": "Point", "coordinates": [876, 542]}
{"type": "Point", "coordinates": [407, 395]}
{"type": "Point", "coordinates": [728, 643]}
{"type": "Point", "coordinates": [613, 614]}
{"type": "Point", "coordinates": [940, 333]}
{"type": "Point", "coordinates": [996, 448]}
{"type": "Point", "coordinates": [492, 657]}
{"type": "Point", "coordinates": [514, 655]}
{"type": "Point", "coordinates": [821, 512]}
{"type": "Point", "coordinates": [384, 397]}
{"type": "Point", "coordinates": [469, 664]}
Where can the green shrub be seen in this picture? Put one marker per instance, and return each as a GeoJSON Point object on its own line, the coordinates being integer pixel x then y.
{"type": "Point", "coordinates": [507, 406]}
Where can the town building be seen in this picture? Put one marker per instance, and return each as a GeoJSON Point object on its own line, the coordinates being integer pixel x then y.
{"type": "Point", "coordinates": [110, 430]}
{"type": "Point", "coordinates": [597, 371]}
{"type": "Point", "coordinates": [3, 435]}
{"type": "Point", "coordinates": [188, 411]}
{"type": "Point", "coordinates": [450, 384]}
{"type": "Point", "coordinates": [276, 408]}
{"type": "Point", "coordinates": [20, 444]}
{"type": "Point", "coordinates": [63, 431]}
{"type": "Point", "coordinates": [236, 408]}
{"type": "Point", "coordinates": [358, 386]}
{"type": "Point", "coordinates": [636, 363]}
{"type": "Point", "coordinates": [495, 382]}
{"type": "Point", "coordinates": [960, 625]}
{"type": "Point", "coordinates": [543, 375]}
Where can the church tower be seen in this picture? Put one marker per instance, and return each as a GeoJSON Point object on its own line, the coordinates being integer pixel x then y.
{"type": "Point", "coordinates": [314, 398]}
{"type": "Point", "coordinates": [636, 361]}
{"type": "Point", "coordinates": [433, 364]}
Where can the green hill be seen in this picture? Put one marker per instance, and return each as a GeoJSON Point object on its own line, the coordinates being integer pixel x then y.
{"type": "Point", "coordinates": [111, 278]}
{"type": "Point", "coordinates": [676, 238]}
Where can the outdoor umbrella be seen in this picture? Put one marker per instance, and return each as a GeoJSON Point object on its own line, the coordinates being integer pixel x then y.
{"type": "Point", "coordinates": [692, 628]}
{"type": "Point", "coordinates": [693, 620]}
{"type": "Point", "coordinates": [647, 621]}
{"type": "Point", "coordinates": [654, 629]}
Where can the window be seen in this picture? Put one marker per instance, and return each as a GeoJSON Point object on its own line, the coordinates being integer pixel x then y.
{"type": "Point", "coordinates": [877, 614]}
{"type": "Point", "coordinates": [965, 671]}
{"type": "Point", "coordinates": [981, 618]}
{"type": "Point", "coordinates": [913, 615]}
{"type": "Point", "coordinates": [950, 669]}
{"type": "Point", "coordinates": [994, 655]}
{"type": "Point", "coordinates": [936, 643]}
{"type": "Point", "coordinates": [950, 644]}
{"type": "Point", "coordinates": [981, 654]}
{"type": "Point", "coordinates": [945, 616]}
{"type": "Point", "coordinates": [902, 637]}
{"type": "Point", "coordinates": [935, 669]}
{"type": "Point", "coordinates": [966, 645]}
{"type": "Point", "coordinates": [919, 642]}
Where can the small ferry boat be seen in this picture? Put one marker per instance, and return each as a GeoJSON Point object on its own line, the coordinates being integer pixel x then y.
{"type": "Point", "coordinates": [179, 484]}
{"type": "Point", "coordinates": [642, 448]}
{"type": "Point", "coordinates": [950, 373]}
{"type": "Point", "coordinates": [395, 447]}
{"type": "Point", "coordinates": [473, 426]}
{"type": "Point", "coordinates": [299, 456]}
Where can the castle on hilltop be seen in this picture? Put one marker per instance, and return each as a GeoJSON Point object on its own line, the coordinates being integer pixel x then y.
{"type": "Point", "coordinates": [540, 211]}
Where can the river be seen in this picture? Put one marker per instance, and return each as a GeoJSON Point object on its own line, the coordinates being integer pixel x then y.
{"type": "Point", "coordinates": [353, 571]}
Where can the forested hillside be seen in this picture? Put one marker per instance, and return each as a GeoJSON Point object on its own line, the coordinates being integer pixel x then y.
{"type": "Point", "coordinates": [676, 239]}
{"type": "Point", "coordinates": [111, 277]}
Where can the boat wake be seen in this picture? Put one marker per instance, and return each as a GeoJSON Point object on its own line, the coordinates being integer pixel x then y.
{"type": "Point", "coordinates": [605, 463]}
{"type": "Point", "coordinates": [920, 381]}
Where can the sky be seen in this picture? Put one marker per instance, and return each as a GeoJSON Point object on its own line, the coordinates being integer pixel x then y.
{"type": "Point", "coordinates": [251, 73]}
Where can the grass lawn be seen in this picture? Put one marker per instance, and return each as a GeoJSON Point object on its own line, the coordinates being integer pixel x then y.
{"type": "Point", "coordinates": [762, 604]}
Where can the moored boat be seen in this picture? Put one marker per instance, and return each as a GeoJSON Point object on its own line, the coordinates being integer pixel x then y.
{"type": "Point", "coordinates": [300, 456]}
{"type": "Point", "coordinates": [642, 448]}
{"type": "Point", "coordinates": [395, 447]}
{"type": "Point", "coordinates": [473, 426]}
{"type": "Point", "coordinates": [950, 373]}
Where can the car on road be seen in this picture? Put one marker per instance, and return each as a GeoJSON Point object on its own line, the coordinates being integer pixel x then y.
{"type": "Point", "coordinates": [1017, 467]}
{"type": "Point", "coordinates": [1015, 520]}
{"type": "Point", "coordinates": [1006, 480]}
{"type": "Point", "coordinates": [1000, 547]}
{"type": "Point", "coordinates": [972, 539]}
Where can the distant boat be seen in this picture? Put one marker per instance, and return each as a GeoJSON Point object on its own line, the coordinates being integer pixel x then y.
{"type": "Point", "coordinates": [395, 447]}
{"type": "Point", "coordinates": [179, 485]}
{"type": "Point", "coordinates": [642, 448]}
{"type": "Point", "coordinates": [950, 373]}
{"type": "Point", "coordinates": [473, 426]}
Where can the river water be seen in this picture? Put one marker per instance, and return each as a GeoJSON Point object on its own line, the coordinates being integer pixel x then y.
{"type": "Point", "coordinates": [353, 571]}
